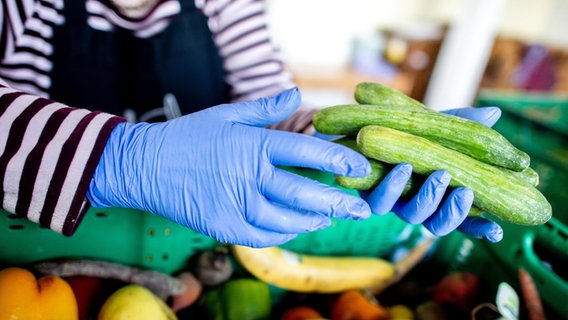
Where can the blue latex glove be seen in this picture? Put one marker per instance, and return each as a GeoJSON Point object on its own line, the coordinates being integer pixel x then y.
{"type": "Point", "coordinates": [439, 214]}
{"type": "Point", "coordinates": [214, 172]}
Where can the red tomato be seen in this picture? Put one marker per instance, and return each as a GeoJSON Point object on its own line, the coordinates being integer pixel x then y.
{"type": "Point", "coordinates": [301, 313]}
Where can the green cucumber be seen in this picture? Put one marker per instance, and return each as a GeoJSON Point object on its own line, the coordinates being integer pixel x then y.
{"type": "Point", "coordinates": [528, 174]}
{"type": "Point", "coordinates": [379, 170]}
{"type": "Point", "coordinates": [466, 136]}
{"type": "Point", "coordinates": [376, 93]}
{"type": "Point", "coordinates": [495, 192]}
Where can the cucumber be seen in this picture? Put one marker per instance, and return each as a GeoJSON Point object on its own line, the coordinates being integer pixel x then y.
{"type": "Point", "coordinates": [376, 93]}
{"type": "Point", "coordinates": [379, 170]}
{"type": "Point", "coordinates": [495, 192]}
{"type": "Point", "coordinates": [460, 134]}
{"type": "Point", "coordinates": [378, 173]}
{"type": "Point", "coordinates": [527, 174]}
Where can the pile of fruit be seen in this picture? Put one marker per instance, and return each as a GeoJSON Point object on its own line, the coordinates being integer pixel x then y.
{"type": "Point", "coordinates": [103, 290]}
{"type": "Point", "coordinates": [215, 286]}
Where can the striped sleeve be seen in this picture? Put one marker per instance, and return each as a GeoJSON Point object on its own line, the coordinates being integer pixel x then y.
{"type": "Point", "coordinates": [253, 64]}
{"type": "Point", "coordinates": [48, 155]}
{"type": "Point", "coordinates": [24, 42]}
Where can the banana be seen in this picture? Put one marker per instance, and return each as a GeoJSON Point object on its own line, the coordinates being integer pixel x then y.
{"type": "Point", "coordinates": [306, 273]}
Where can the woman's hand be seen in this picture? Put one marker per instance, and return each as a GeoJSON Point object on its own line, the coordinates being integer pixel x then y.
{"type": "Point", "coordinates": [440, 214]}
{"type": "Point", "coordinates": [215, 172]}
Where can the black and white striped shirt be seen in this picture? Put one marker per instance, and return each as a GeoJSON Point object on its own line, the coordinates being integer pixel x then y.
{"type": "Point", "coordinates": [49, 151]}
{"type": "Point", "coordinates": [253, 66]}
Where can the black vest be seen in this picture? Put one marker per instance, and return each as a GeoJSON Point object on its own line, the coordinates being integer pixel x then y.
{"type": "Point", "coordinates": [116, 71]}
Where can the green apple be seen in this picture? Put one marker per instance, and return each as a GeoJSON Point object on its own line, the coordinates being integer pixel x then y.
{"type": "Point", "coordinates": [135, 302]}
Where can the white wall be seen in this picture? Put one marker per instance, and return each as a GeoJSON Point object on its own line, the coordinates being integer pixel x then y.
{"type": "Point", "coordinates": [320, 32]}
{"type": "Point", "coordinates": [529, 19]}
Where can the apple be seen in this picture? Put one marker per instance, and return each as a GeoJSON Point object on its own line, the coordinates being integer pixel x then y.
{"type": "Point", "coordinates": [135, 302]}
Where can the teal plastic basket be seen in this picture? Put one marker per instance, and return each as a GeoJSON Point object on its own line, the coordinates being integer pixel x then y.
{"type": "Point", "coordinates": [149, 241]}
{"type": "Point", "coordinates": [547, 109]}
{"type": "Point", "coordinates": [538, 125]}
{"type": "Point", "coordinates": [541, 250]}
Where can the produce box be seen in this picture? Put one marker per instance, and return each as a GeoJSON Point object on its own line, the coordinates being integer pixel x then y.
{"type": "Point", "coordinates": [143, 241]}
{"type": "Point", "coordinates": [540, 250]}
{"type": "Point", "coordinates": [538, 125]}
{"type": "Point", "coordinates": [548, 110]}
{"type": "Point", "coordinates": [114, 234]}
{"type": "Point", "coordinates": [149, 241]}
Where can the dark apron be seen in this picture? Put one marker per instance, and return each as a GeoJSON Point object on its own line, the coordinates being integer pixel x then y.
{"type": "Point", "coordinates": [116, 71]}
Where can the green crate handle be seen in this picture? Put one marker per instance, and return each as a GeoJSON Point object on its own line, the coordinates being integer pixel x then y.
{"type": "Point", "coordinates": [519, 248]}
{"type": "Point", "coordinates": [551, 285]}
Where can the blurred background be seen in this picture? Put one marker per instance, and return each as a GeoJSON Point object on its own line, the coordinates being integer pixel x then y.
{"type": "Point", "coordinates": [441, 52]}
{"type": "Point", "coordinates": [448, 54]}
{"type": "Point", "coordinates": [453, 53]}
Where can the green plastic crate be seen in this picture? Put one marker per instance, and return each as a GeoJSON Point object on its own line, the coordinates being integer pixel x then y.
{"type": "Point", "coordinates": [541, 250]}
{"type": "Point", "coordinates": [146, 240]}
{"type": "Point", "coordinates": [547, 109]}
{"type": "Point", "coordinates": [118, 235]}
{"type": "Point", "coordinates": [538, 125]}
{"type": "Point", "coordinates": [376, 236]}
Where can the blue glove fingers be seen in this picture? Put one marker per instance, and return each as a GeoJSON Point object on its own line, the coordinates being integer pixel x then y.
{"type": "Point", "coordinates": [487, 116]}
{"type": "Point", "coordinates": [482, 228]}
{"type": "Point", "coordinates": [385, 195]}
{"type": "Point", "coordinates": [451, 213]}
{"type": "Point", "coordinates": [305, 194]}
{"type": "Point", "coordinates": [262, 112]}
{"type": "Point", "coordinates": [290, 149]}
{"type": "Point", "coordinates": [278, 218]}
{"type": "Point", "coordinates": [426, 201]}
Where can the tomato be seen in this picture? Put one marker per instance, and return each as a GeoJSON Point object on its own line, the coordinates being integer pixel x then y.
{"type": "Point", "coordinates": [301, 313]}
{"type": "Point", "coordinates": [354, 305]}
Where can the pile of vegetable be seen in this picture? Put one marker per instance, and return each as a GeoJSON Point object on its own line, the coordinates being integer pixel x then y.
{"type": "Point", "coordinates": [216, 286]}
{"type": "Point", "coordinates": [90, 289]}
{"type": "Point", "coordinates": [389, 127]}
{"type": "Point", "coordinates": [86, 289]}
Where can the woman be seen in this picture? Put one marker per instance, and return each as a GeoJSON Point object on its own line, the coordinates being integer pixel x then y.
{"type": "Point", "coordinates": [212, 170]}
